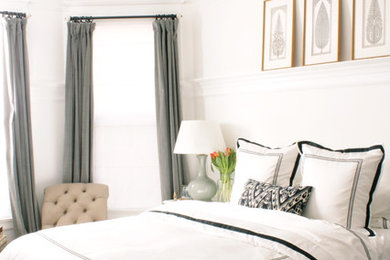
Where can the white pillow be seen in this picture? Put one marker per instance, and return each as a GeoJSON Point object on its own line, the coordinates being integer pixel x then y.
{"type": "Point", "coordinates": [264, 164]}
{"type": "Point", "coordinates": [343, 182]}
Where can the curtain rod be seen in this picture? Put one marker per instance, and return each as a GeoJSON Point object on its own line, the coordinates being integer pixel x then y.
{"type": "Point", "coordinates": [13, 13]}
{"type": "Point", "coordinates": [78, 18]}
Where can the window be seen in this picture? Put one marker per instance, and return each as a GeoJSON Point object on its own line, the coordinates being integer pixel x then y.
{"type": "Point", "coordinates": [125, 135]}
{"type": "Point", "coordinates": [5, 209]}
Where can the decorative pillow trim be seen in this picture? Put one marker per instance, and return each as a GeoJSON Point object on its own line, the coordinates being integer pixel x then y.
{"type": "Point", "coordinates": [348, 150]}
{"type": "Point", "coordinates": [246, 140]}
{"type": "Point", "coordinates": [268, 196]}
{"type": "Point", "coordinates": [356, 150]}
{"type": "Point", "coordinates": [385, 226]}
{"type": "Point", "coordinates": [295, 169]}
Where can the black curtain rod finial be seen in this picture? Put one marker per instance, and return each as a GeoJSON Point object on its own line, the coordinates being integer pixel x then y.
{"type": "Point", "coordinates": [13, 14]}
{"type": "Point", "coordinates": [81, 19]}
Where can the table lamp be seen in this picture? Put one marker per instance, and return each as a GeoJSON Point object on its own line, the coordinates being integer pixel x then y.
{"type": "Point", "coordinates": [200, 137]}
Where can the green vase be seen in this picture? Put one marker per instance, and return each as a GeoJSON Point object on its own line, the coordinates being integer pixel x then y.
{"type": "Point", "coordinates": [225, 184]}
{"type": "Point", "coordinates": [202, 188]}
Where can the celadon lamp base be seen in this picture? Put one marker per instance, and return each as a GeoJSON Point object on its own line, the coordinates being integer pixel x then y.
{"type": "Point", "coordinates": [202, 188]}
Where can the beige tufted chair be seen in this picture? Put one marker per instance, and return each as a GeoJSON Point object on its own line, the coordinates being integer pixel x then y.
{"type": "Point", "coordinates": [72, 203]}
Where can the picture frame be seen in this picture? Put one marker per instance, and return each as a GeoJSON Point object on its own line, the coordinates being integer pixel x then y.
{"type": "Point", "coordinates": [278, 34]}
{"type": "Point", "coordinates": [321, 32]}
{"type": "Point", "coordinates": [371, 29]}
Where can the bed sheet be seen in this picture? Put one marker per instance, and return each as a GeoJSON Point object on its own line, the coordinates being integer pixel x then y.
{"type": "Point", "coordinates": [197, 230]}
{"type": "Point", "coordinates": [381, 243]}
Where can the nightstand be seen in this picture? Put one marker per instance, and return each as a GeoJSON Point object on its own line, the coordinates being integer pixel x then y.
{"type": "Point", "coordinates": [3, 239]}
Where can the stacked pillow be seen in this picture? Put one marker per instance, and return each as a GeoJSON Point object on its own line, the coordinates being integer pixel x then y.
{"type": "Point", "coordinates": [340, 183]}
{"type": "Point", "coordinates": [262, 163]}
{"type": "Point", "coordinates": [343, 182]}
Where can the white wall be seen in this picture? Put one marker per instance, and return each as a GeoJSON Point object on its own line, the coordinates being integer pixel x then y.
{"type": "Point", "coordinates": [47, 89]}
{"type": "Point", "coordinates": [225, 36]}
{"type": "Point", "coordinates": [339, 105]}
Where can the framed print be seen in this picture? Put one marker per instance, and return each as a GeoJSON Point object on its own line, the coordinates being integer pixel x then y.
{"type": "Point", "coordinates": [322, 22]}
{"type": "Point", "coordinates": [371, 22]}
{"type": "Point", "coordinates": [278, 34]}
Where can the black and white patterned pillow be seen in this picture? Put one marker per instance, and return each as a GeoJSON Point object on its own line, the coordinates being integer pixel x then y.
{"type": "Point", "coordinates": [268, 196]}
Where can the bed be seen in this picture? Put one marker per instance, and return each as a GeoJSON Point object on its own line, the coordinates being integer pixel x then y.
{"type": "Point", "coordinates": [199, 230]}
{"type": "Point", "coordinates": [264, 219]}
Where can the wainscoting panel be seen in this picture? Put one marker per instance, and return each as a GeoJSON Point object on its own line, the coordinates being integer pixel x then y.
{"type": "Point", "coordinates": [362, 73]}
{"type": "Point", "coordinates": [338, 105]}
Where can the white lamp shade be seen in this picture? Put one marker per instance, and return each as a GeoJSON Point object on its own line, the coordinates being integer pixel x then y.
{"type": "Point", "coordinates": [199, 137]}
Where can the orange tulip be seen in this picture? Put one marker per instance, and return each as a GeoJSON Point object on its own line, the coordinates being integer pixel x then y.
{"type": "Point", "coordinates": [225, 162]}
{"type": "Point", "coordinates": [228, 151]}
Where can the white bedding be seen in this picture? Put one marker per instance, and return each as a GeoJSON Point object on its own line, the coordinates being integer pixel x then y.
{"type": "Point", "coordinates": [197, 230]}
{"type": "Point", "coordinates": [381, 242]}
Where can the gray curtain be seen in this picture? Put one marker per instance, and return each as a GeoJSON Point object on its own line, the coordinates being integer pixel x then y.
{"type": "Point", "coordinates": [24, 204]}
{"type": "Point", "coordinates": [167, 104]}
{"type": "Point", "coordinates": [78, 104]}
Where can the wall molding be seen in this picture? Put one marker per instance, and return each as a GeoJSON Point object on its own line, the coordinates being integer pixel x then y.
{"type": "Point", "coordinates": [361, 73]}
{"type": "Point", "coordinates": [69, 3]}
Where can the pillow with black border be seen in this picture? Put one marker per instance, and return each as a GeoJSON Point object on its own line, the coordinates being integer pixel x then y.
{"type": "Point", "coordinates": [343, 182]}
{"type": "Point", "coordinates": [268, 196]}
{"type": "Point", "coordinates": [262, 163]}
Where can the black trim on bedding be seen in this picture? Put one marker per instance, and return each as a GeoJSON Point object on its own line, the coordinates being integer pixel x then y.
{"type": "Point", "coordinates": [240, 230]}
{"type": "Point", "coordinates": [63, 247]}
{"type": "Point", "coordinates": [376, 178]}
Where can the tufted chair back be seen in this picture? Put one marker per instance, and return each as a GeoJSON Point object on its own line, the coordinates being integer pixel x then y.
{"type": "Point", "coordinates": [72, 203]}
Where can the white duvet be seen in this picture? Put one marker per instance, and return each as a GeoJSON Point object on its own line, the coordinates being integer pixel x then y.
{"type": "Point", "coordinates": [196, 230]}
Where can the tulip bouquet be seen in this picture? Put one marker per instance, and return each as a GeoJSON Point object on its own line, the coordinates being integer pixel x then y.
{"type": "Point", "coordinates": [225, 162]}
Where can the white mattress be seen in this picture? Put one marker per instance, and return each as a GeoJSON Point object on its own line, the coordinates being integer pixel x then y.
{"type": "Point", "coordinates": [200, 230]}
